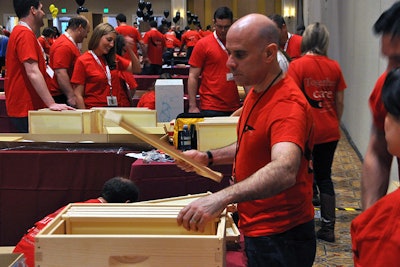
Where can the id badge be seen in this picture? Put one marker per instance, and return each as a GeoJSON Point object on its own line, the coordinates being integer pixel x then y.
{"type": "Point", "coordinates": [112, 101]}
{"type": "Point", "coordinates": [50, 71]}
{"type": "Point", "coordinates": [229, 76]}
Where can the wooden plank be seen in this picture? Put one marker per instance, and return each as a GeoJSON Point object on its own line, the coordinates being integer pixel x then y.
{"type": "Point", "coordinates": [167, 148]}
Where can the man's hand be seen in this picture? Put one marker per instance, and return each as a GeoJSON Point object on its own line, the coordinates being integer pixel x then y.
{"type": "Point", "coordinates": [59, 107]}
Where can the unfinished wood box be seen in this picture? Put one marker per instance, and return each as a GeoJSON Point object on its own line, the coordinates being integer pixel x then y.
{"type": "Point", "coordinates": [142, 117]}
{"type": "Point", "coordinates": [127, 235]}
{"type": "Point", "coordinates": [216, 132]}
{"type": "Point", "coordinates": [46, 121]}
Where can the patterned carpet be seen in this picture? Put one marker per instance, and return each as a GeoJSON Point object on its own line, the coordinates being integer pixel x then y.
{"type": "Point", "coordinates": [346, 174]}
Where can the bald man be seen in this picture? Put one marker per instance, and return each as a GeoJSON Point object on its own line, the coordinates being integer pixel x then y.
{"type": "Point", "coordinates": [273, 184]}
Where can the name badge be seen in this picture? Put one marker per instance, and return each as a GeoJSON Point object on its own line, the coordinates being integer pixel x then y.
{"type": "Point", "coordinates": [50, 71]}
{"type": "Point", "coordinates": [112, 101]}
{"type": "Point", "coordinates": [229, 76]}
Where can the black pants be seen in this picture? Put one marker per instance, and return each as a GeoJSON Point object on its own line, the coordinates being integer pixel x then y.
{"type": "Point", "coordinates": [322, 163]}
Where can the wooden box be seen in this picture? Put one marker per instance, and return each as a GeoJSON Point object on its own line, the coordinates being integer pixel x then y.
{"type": "Point", "coordinates": [10, 259]}
{"type": "Point", "coordinates": [216, 132]}
{"type": "Point", "coordinates": [45, 121]}
{"type": "Point", "coordinates": [127, 235]}
{"type": "Point", "coordinates": [142, 117]}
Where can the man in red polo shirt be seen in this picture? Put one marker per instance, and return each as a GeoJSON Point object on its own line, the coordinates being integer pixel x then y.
{"type": "Point", "coordinates": [25, 85]}
{"type": "Point", "coordinates": [290, 43]}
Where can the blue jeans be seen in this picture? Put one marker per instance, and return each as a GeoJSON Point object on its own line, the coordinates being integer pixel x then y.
{"type": "Point", "coordinates": [295, 247]}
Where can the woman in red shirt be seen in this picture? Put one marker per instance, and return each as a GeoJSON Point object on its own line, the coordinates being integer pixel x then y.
{"type": "Point", "coordinates": [322, 82]}
{"type": "Point", "coordinates": [96, 73]}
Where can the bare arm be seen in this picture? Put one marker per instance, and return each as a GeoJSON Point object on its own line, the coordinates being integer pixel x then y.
{"type": "Point", "coordinates": [134, 66]}
{"type": "Point", "coordinates": [376, 169]}
{"type": "Point", "coordinates": [193, 85]}
{"type": "Point", "coordinates": [339, 104]}
{"type": "Point", "coordinates": [273, 178]}
{"type": "Point", "coordinates": [79, 92]}
{"type": "Point", "coordinates": [38, 82]}
{"type": "Point", "coordinates": [64, 83]}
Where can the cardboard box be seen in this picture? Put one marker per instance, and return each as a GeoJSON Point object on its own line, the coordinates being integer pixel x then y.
{"type": "Point", "coordinates": [216, 132]}
{"type": "Point", "coordinates": [127, 235]}
{"type": "Point", "coordinates": [169, 99]}
{"type": "Point", "coordinates": [46, 121]}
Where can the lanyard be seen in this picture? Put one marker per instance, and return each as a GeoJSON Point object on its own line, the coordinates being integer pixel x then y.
{"type": "Point", "coordinates": [219, 42]}
{"type": "Point", "coordinates": [287, 41]}
{"type": "Point", "coordinates": [23, 23]}
{"type": "Point", "coordinates": [106, 70]}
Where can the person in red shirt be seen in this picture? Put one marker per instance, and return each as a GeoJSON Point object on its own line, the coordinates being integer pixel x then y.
{"type": "Point", "coordinates": [189, 39]}
{"type": "Point", "coordinates": [290, 43]}
{"type": "Point", "coordinates": [63, 55]}
{"type": "Point", "coordinates": [171, 41]}
{"type": "Point", "coordinates": [154, 47]}
{"type": "Point", "coordinates": [218, 92]}
{"type": "Point", "coordinates": [273, 184]}
{"type": "Point", "coordinates": [115, 190]}
{"type": "Point", "coordinates": [96, 73]}
{"type": "Point", "coordinates": [378, 161]}
{"type": "Point", "coordinates": [132, 32]}
{"type": "Point", "coordinates": [322, 82]}
{"type": "Point", "coordinates": [25, 85]}
{"type": "Point", "coordinates": [375, 233]}
{"type": "Point", "coordinates": [128, 83]}
{"type": "Point", "coordinates": [46, 39]}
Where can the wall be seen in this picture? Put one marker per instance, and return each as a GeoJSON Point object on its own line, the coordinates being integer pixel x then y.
{"type": "Point", "coordinates": [357, 49]}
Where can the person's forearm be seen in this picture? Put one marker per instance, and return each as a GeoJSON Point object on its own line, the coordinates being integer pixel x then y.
{"type": "Point", "coordinates": [41, 89]}
{"type": "Point", "coordinates": [224, 155]}
{"type": "Point", "coordinates": [192, 91]}
{"type": "Point", "coordinates": [65, 84]}
{"type": "Point", "coordinates": [135, 61]}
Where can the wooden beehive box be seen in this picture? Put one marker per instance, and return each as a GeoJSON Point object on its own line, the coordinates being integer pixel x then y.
{"type": "Point", "coordinates": [216, 132]}
{"type": "Point", "coordinates": [142, 117]}
{"type": "Point", "coordinates": [127, 235]}
{"type": "Point", "coordinates": [46, 121]}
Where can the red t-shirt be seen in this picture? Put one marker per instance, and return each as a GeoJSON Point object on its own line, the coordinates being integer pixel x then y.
{"type": "Point", "coordinates": [294, 46]}
{"type": "Point", "coordinates": [375, 233]}
{"type": "Point", "coordinates": [93, 76]}
{"type": "Point", "coordinates": [281, 115]}
{"type": "Point", "coordinates": [376, 105]}
{"type": "Point", "coordinates": [20, 94]}
{"type": "Point", "coordinates": [156, 43]}
{"type": "Point", "coordinates": [63, 55]}
{"type": "Point", "coordinates": [127, 30]}
{"type": "Point", "coordinates": [171, 41]}
{"type": "Point", "coordinates": [190, 38]}
{"type": "Point", "coordinates": [123, 98]}
{"type": "Point", "coordinates": [148, 100]}
{"type": "Point", "coordinates": [321, 78]}
{"type": "Point", "coordinates": [45, 43]}
{"type": "Point", "coordinates": [27, 243]}
{"type": "Point", "coordinates": [216, 93]}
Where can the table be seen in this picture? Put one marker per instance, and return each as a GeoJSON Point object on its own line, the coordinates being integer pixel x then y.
{"type": "Point", "coordinates": [164, 179]}
{"type": "Point", "coordinates": [34, 183]}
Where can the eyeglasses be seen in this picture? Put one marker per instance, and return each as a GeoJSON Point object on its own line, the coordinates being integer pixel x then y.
{"type": "Point", "coordinates": [221, 27]}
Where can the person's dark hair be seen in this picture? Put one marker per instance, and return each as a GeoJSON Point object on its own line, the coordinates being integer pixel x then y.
{"type": "Point", "coordinates": [389, 21]}
{"type": "Point", "coordinates": [391, 93]}
{"type": "Point", "coordinates": [22, 7]}
{"type": "Point", "coordinates": [120, 190]}
{"type": "Point", "coordinates": [74, 23]}
{"type": "Point", "coordinates": [300, 29]}
{"type": "Point", "coordinates": [48, 32]}
{"type": "Point", "coordinates": [208, 28]}
{"type": "Point", "coordinates": [121, 17]}
{"type": "Point", "coordinates": [315, 39]}
{"type": "Point", "coordinates": [153, 24]}
{"type": "Point", "coordinates": [223, 13]}
{"type": "Point", "coordinates": [119, 44]}
{"type": "Point", "coordinates": [278, 19]}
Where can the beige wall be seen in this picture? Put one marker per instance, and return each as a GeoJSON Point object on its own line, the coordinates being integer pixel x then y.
{"type": "Point", "coordinates": [203, 8]}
